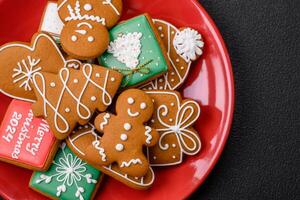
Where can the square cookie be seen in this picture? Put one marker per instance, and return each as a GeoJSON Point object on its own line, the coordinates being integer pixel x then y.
{"type": "Point", "coordinates": [136, 50]}
{"type": "Point", "coordinates": [69, 177]}
{"type": "Point", "coordinates": [25, 140]}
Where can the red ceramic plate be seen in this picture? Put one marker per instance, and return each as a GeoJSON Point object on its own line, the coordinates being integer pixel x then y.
{"type": "Point", "coordinates": [210, 83]}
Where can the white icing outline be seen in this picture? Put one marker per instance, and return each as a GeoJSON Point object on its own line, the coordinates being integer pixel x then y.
{"type": "Point", "coordinates": [92, 131]}
{"type": "Point", "coordinates": [170, 129]}
{"type": "Point", "coordinates": [131, 162]}
{"type": "Point", "coordinates": [108, 2]}
{"type": "Point", "coordinates": [132, 114]}
{"type": "Point", "coordinates": [32, 49]}
{"type": "Point", "coordinates": [65, 79]}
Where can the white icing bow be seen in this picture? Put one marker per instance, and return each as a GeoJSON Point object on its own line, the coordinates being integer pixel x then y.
{"type": "Point", "coordinates": [180, 128]}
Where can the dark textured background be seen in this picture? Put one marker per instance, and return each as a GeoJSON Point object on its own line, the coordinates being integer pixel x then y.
{"type": "Point", "coordinates": [262, 157]}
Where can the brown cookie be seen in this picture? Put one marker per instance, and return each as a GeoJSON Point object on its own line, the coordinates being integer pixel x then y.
{"type": "Point", "coordinates": [125, 134]}
{"type": "Point", "coordinates": [85, 136]}
{"type": "Point", "coordinates": [85, 35]}
{"type": "Point", "coordinates": [173, 119]}
{"type": "Point", "coordinates": [183, 46]}
{"type": "Point", "coordinates": [20, 61]}
{"type": "Point", "coordinates": [72, 96]}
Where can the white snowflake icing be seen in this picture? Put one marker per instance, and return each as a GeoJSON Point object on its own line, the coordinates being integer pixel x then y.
{"type": "Point", "coordinates": [24, 71]}
{"type": "Point", "coordinates": [127, 48]}
{"type": "Point", "coordinates": [188, 44]}
{"type": "Point", "coordinates": [70, 170]}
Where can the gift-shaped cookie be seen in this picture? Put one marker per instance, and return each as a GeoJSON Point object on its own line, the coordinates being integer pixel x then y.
{"type": "Point", "coordinates": [125, 134]}
{"type": "Point", "coordinates": [25, 140]}
{"type": "Point", "coordinates": [137, 51]}
{"type": "Point", "coordinates": [85, 137]}
{"type": "Point", "coordinates": [20, 61]}
{"type": "Point", "coordinates": [183, 46]}
{"type": "Point", "coordinates": [173, 119]}
{"type": "Point", "coordinates": [85, 35]}
{"type": "Point", "coordinates": [69, 177]}
{"type": "Point", "coordinates": [72, 96]}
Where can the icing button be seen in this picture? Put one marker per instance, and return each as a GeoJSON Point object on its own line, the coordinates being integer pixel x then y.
{"type": "Point", "coordinates": [87, 7]}
{"type": "Point", "coordinates": [123, 137]}
{"type": "Point", "coordinates": [127, 126]}
{"type": "Point", "coordinates": [119, 147]}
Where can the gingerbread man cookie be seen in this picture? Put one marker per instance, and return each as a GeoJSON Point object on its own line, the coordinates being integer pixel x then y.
{"type": "Point", "coordinates": [125, 133]}
{"type": "Point", "coordinates": [85, 35]}
{"type": "Point", "coordinates": [72, 96]}
{"type": "Point", "coordinates": [183, 46]}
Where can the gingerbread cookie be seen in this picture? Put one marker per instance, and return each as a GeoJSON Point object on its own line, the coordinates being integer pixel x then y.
{"type": "Point", "coordinates": [85, 35]}
{"type": "Point", "coordinates": [20, 61]}
{"type": "Point", "coordinates": [125, 134]}
{"type": "Point", "coordinates": [137, 51]}
{"type": "Point", "coordinates": [51, 23]}
{"type": "Point", "coordinates": [72, 96]}
{"type": "Point", "coordinates": [26, 141]}
{"type": "Point", "coordinates": [173, 119]}
{"type": "Point", "coordinates": [184, 46]}
{"type": "Point", "coordinates": [85, 136]}
{"type": "Point", "coordinates": [69, 177]}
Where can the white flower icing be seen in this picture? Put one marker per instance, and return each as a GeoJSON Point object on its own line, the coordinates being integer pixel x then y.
{"type": "Point", "coordinates": [188, 44]}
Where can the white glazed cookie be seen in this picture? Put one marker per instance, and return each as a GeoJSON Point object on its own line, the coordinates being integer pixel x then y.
{"type": "Point", "coordinates": [183, 46]}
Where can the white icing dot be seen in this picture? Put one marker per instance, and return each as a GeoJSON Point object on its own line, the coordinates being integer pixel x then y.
{"type": "Point", "coordinates": [173, 145]}
{"type": "Point", "coordinates": [87, 7]}
{"type": "Point", "coordinates": [112, 79]}
{"type": "Point", "coordinates": [181, 68]}
{"type": "Point", "coordinates": [67, 110]}
{"type": "Point", "coordinates": [172, 73]}
{"type": "Point", "coordinates": [119, 147]}
{"type": "Point", "coordinates": [139, 25]}
{"type": "Point", "coordinates": [153, 100]}
{"type": "Point", "coordinates": [160, 28]}
{"type": "Point", "coordinates": [173, 32]}
{"type": "Point", "coordinates": [177, 60]}
{"type": "Point", "coordinates": [172, 80]}
{"type": "Point", "coordinates": [90, 39]}
{"type": "Point", "coordinates": [75, 80]}
{"type": "Point", "coordinates": [74, 38]}
{"type": "Point", "coordinates": [93, 98]}
{"type": "Point", "coordinates": [97, 75]}
{"type": "Point", "coordinates": [130, 100]}
{"type": "Point", "coordinates": [173, 157]}
{"type": "Point", "coordinates": [170, 119]}
{"type": "Point", "coordinates": [172, 104]}
{"type": "Point", "coordinates": [141, 74]}
{"type": "Point", "coordinates": [154, 157]}
{"type": "Point", "coordinates": [161, 87]}
{"type": "Point", "coordinates": [123, 137]}
{"type": "Point", "coordinates": [127, 126]}
{"type": "Point", "coordinates": [152, 120]}
{"type": "Point", "coordinates": [160, 80]}
{"type": "Point", "coordinates": [52, 84]}
{"type": "Point", "coordinates": [143, 106]}
{"type": "Point", "coordinates": [162, 35]}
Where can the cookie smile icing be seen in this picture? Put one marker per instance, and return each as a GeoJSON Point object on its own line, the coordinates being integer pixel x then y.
{"type": "Point", "coordinates": [132, 114]}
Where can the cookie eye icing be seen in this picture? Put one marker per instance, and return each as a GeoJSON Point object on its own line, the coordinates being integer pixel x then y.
{"type": "Point", "coordinates": [87, 7]}
{"type": "Point", "coordinates": [143, 106]}
{"type": "Point", "coordinates": [90, 39]}
{"type": "Point", "coordinates": [74, 38]}
{"type": "Point", "coordinates": [130, 100]}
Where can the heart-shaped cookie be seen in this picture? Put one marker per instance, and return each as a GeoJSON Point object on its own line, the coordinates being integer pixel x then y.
{"type": "Point", "coordinates": [20, 61]}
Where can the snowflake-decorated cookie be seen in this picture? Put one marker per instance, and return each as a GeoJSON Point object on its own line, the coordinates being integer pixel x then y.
{"type": "Point", "coordinates": [20, 61]}
{"type": "Point", "coordinates": [69, 177]}
{"type": "Point", "coordinates": [137, 51]}
{"type": "Point", "coordinates": [184, 46]}
{"type": "Point", "coordinates": [85, 35]}
{"type": "Point", "coordinates": [72, 96]}
{"type": "Point", "coordinates": [25, 140]}
{"type": "Point", "coordinates": [85, 137]}
{"type": "Point", "coordinates": [173, 119]}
